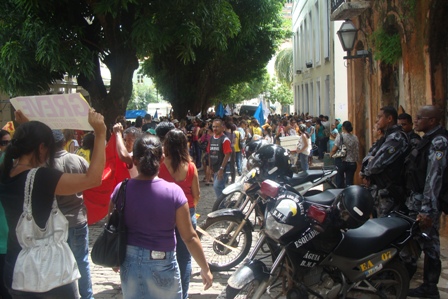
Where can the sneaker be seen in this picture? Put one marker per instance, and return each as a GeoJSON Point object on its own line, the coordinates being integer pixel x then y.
{"type": "Point", "coordinates": [425, 291]}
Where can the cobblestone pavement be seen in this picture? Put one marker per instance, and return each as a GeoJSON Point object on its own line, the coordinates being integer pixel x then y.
{"type": "Point", "coordinates": [106, 283]}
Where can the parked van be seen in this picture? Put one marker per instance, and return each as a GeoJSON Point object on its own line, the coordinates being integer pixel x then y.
{"type": "Point", "coordinates": [248, 110]}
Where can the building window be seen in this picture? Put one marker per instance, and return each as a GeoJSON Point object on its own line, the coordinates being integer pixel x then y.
{"type": "Point", "coordinates": [326, 30]}
{"type": "Point", "coordinates": [317, 33]}
{"type": "Point", "coordinates": [140, 78]}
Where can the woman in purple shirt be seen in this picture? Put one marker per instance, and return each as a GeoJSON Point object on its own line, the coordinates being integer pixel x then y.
{"type": "Point", "coordinates": [154, 207]}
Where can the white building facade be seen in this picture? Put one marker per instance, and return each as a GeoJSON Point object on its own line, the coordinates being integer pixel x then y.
{"type": "Point", "coordinates": [320, 79]}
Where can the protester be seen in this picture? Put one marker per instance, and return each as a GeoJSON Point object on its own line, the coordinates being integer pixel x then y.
{"type": "Point", "coordinates": [204, 142]}
{"type": "Point", "coordinates": [179, 169]}
{"type": "Point", "coordinates": [346, 165]}
{"type": "Point", "coordinates": [5, 139]}
{"type": "Point", "coordinates": [32, 146]}
{"type": "Point", "coordinates": [154, 207]}
{"type": "Point", "coordinates": [162, 129]}
{"type": "Point", "coordinates": [219, 156]}
{"type": "Point", "coordinates": [303, 147]}
{"type": "Point", "coordinates": [86, 148]}
{"type": "Point", "coordinates": [72, 144]}
{"type": "Point", "coordinates": [333, 134]}
{"type": "Point", "coordinates": [125, 142]}
{"type": "Point", "coordinates": [74, 209]}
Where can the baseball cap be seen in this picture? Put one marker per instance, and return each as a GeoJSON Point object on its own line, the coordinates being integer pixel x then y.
{"type": "Point", "coordinates": [58, 136]}
{"type": "Point", "coordinates": [175, 121]}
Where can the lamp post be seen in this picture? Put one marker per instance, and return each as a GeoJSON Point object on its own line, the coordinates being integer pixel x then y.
{"type": "Point", "coordinates": [347, 36]}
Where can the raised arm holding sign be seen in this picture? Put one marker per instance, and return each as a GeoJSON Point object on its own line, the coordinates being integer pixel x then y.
{"type": "Point", "coordinates": [58, 111]}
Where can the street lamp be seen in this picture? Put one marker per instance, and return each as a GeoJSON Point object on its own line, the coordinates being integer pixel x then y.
{"type": "Point", "coordinates": [347, 36]}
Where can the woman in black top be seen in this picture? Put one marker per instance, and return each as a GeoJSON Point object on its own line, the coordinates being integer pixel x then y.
{"type": "Point", "coordinates": [33, 146]}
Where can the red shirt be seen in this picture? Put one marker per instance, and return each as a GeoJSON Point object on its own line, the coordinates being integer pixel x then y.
{"type": "Point", "coordinates": [185, 184]}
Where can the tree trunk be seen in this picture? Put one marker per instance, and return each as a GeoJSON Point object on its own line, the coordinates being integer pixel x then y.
{"type": "Point", "coordinates": [122, 65]}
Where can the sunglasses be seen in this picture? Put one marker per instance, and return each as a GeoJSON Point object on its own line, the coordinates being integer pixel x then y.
{"type": "Point", "coordinates": [4, 142]}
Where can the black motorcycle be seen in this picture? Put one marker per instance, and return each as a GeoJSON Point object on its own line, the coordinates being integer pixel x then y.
{"type": "Point", "coordinates": [325, 246]}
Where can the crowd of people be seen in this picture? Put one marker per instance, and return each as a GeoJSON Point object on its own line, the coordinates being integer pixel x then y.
{"type": "Point", "coordinates": [162, 160]}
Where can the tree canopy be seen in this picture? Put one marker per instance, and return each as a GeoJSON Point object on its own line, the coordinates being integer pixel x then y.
{"type": "Point", "coordinates": [198, 45]}
{"type": "Point", "coordinates": [215, 72]}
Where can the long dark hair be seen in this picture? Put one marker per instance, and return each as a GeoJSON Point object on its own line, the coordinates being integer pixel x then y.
{"type": "Point", "coordinates": [176, 148]}
{"type": "Point", "coordinates": [27, 139]}
{"type": "Point", "coordinates": [148, 151]}
{"type": "Point", "coordinates": [3, 133]}
{"type": "Point", "coordinates": [88, 141]}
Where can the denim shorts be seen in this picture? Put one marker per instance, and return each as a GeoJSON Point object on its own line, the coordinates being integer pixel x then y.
{"type": "Point", "coordinates": [143, 277]}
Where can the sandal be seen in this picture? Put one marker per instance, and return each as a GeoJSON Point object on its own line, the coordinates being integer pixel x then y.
{"type": "Point", "coordinates": [207, 184]}
{"type": "Point", "coordinates": [204, 180]}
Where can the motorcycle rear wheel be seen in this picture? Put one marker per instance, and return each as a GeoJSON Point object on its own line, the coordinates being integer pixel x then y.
{"type": "Point", "coordinates": [246, 292]}
{"type": "Point", "coordinates": [391, 282]}
{"type": "Point", "coordinates": [229, 201]}
{"type": "Point", "coordinates": [222, 229]}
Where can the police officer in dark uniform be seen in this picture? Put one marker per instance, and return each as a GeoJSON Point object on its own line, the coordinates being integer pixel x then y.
{"type": "Point", "coordinates": [405, 121]}
{"type": "Point", "coordinates": [382, 167]}
{"type": "Point", "coordinates": [426, 174]}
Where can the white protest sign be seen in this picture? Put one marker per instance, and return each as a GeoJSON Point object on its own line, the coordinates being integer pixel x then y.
{"type": "Point", "coordinates": [58, 111]}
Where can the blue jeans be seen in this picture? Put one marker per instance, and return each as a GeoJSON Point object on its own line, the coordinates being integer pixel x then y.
{"type": "Point", "coordinates": [304, 162]}
{"type": "Point", "coordinates": [184, 257]}
{"type": "Point", "coordinates": [143, 277]}
{"type": "Point", "coordinates": [219, 185]}
{"type": "Point", "coordinates": [239, 161]}
{"type": "Point", "coordinates": [78, 240]}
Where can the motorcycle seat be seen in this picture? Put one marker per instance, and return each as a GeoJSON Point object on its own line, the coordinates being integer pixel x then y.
{"type": "Point", "coordinates": [325, 198]}
{"type": "Point", "coordinates": [375, 235]}
{"type": "Point", "coordinates": [303, 177]}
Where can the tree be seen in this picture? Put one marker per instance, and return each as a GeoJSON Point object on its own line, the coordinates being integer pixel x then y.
{"type": "Point", "coordinates": [197, 84]}
{"type": "Point", "coordinates": [142, 95]}
{"type": "Point", "coordinates": [41, 41]}
{"type": "Point", "coordinates": [283, 66]}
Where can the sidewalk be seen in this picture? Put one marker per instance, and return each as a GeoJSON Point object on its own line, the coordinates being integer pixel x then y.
{"type": "Point", "coordinates": [106, 283]}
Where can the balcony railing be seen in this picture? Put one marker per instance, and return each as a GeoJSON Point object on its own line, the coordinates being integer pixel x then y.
{"type": "Point", "coordinates": [336, 3]}
{"type": "Point", "coordinates": [347, 9]}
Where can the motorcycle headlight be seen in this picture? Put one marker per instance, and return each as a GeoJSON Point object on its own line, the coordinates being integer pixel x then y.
{"type": "Point", "coordinates": [276, 229]}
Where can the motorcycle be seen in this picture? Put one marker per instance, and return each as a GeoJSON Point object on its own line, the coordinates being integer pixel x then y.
{"type": "Point", "coordinates": [227, 233]}
{"type": "Point", "coordinates": [234, 195]}
{"type": "Point", "coordinates": [325, 246]}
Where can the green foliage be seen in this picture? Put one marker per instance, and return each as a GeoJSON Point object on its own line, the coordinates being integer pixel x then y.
{"type": "Point", "coordinates": [387, 46]}
{"type": "Point", "coordinates": [142, 95]}
{"type": "Point", "coordinates": [219, 66]}
{"type": "Point", "coordinates": [244, 91]}
{"type": "Point", "coordinates": [279, 93]}
{"type": "Point", "coordinates": [283, 66]}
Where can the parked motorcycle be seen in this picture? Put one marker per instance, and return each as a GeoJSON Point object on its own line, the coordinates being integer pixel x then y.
{"type": "Point", "coordinates": [227, 233]}
{"type": "Point", "coordinates": [325, 246]}
{"type": "Point", "coordinates": [277, 166]}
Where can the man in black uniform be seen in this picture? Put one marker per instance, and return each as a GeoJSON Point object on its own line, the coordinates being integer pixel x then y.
{"type": "Point", "coordinates": [382, 166]}
{"type": "Point", "coordinates": [405, 121]}
{"type": "Point", "coordinates": [426, 176]}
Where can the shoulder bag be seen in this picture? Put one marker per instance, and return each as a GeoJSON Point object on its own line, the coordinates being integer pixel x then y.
{"type": "Point", "coordinates": [109, 249]}
{"type": "Point", "coordinates": [45, 261]}
{"type": "Point", "coordinates": [342, 150]}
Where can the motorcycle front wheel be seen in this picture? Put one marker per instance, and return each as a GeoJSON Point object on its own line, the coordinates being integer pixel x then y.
{"type": "Point", "coordinates": [220, 253]}
{"type": "Point", "coordinates": [229, 201]}
{"type": "Point", "coordinates": [247, 292]}
{"type": "Point", "coordinates": [390, 282]}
